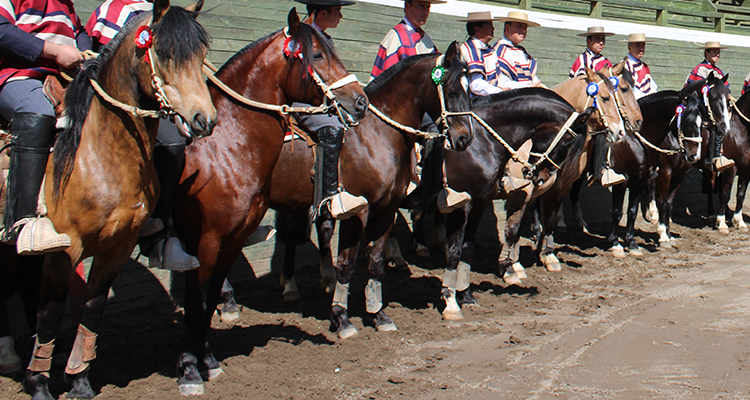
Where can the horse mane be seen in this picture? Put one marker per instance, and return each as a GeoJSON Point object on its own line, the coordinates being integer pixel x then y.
{"type": "Point", "coordinates": [179, 39]}
{"type": "Point", "coordinates": [478, 101]}
{"type": "Point", "coordinates": [658, 97]}
{"type": "Point", "coordinates": [303, 37]}
{"type": "Point", "coordinates": [628, 77]}
{"type": "Point", "coordinates": [454, 72]}
{"type": "Point", "coordinates": [693, 86]}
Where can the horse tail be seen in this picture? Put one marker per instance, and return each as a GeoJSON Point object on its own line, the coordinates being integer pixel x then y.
{"type": "Point", "coordinates": [78, 98]}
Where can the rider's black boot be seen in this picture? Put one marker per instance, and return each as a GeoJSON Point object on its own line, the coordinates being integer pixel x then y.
{"type": "Point", "coordinates": [720, 162]}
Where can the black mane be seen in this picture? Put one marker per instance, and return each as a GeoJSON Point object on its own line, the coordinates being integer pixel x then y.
{"type": "Point", "coordinates": [658, 97]}
{"type": "Point", "coordinates": [178, 38]}
{"type": "Point", "coordinates": [453, 73]}
{"type": "Point", "coordinates": [479, 101]}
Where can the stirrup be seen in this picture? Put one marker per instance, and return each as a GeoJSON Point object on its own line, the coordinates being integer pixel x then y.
{"type": "Point", "coordinates": [169, 254]}
{"type": "Point", "coordinates": [261, 234]}
{"type": "Point", "coordinates": [511, 183]}
{"type": "Point", "coordinates": [344, 205]}
{"type": "Point", "coordinates": [38, 236]}
{"type": "Point", "coordinates": [721, 163]}
{"type": "Point", "coordinates": [449, 200]}
{"type": "Point", "coordinates": [611, 178]}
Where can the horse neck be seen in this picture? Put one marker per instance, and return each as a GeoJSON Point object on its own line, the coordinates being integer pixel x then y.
{"type": "Point", "coordinates": [743, 104]}
{"type": "Point", "coordinates": [663, 112]}
{"type": "Point", "coordinates": [403, 99]}
{"type": "Point", "coordinates": [527, 113]}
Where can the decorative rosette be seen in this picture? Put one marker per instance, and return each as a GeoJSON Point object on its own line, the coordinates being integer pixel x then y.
{"type": "Point", "coordinates": [292, 49]}
{"type": "Point", "coordinates": [615, 82]}
{"type": "Point", "coordinates": [678, 112]}
{"type": "Point", "coordinates": [592, 89]}
{"type": "Point", "coordinates": [438, 75]}
{"type": "Point", "coordinates": [144, 37]}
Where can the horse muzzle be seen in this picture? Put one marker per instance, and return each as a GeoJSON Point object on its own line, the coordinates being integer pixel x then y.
{"type": "Point", "coordinates": [201, 126]}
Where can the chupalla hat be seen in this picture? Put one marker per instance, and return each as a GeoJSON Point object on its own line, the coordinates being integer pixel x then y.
{"type": "Point", "coordinates": [712, 45]}
{"type": "Point", "coordinates": [431, 1]}
{"type": "Point", "coordinates": [327, 3]}
{"type": "Point", "coordinates": [518, 16]}
{"type": "Point", "coordinates": [479, 16]}
{"type": "Point", "coordinates": [595, 31]}
{"type": "Point", "coordinates": [637, 38]}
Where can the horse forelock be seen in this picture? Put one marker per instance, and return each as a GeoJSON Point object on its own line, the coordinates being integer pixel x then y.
{"type": "Point", "coordinates": [179, 37]}
{"type": "Point", "coordinates": [628, 77]}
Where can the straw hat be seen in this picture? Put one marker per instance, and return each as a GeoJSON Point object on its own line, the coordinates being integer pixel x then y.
{"type": "Point", "coordinates": [637, 38]}
{"type": "Point", "coordinates": [327, 3]}
{"type": "Point", "coordinates": [479, 16]}
{"type": "Point", "coordinates": [595, 31]}
{"type": "Point", "coordinates": [712, 45]}
{"type": "Point", "coordinates": [431, 1]}
{"type": "Point", "coordinates": [517, 16]}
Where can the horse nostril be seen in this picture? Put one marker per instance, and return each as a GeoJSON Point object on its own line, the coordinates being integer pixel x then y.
{"type": "Point", "coordinates": [360, 105]}
{"type": "Point", "coordinates": [691, 159]}
{"type": "Point", "coordinates": [199, 124]}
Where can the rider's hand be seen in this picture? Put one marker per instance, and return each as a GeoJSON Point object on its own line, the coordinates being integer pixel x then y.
{"type": "Point", "coordinates": [65, 56]}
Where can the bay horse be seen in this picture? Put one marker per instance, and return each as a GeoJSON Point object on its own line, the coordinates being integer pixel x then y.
{"type": "Point", "coordinates": [103, 185]}
{"type": "Point", "coordinates": [736, 147]}
{"type": "Point", "coordinates": [608, 119]}
{"type": "Point", "coordinates": [292, 190]}
{"type": "Point", "coordinates": [516, 116]}
{"type": "Point", "coordinates": [226, 184]}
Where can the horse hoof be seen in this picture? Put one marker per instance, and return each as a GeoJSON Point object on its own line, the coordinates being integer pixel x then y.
{"type": "Point", "coordinates": [452, 315]}
{"type": "Point", "coordinates": [191, 389]}
{"type": "Point", "coordinates": [723, 230]}
{"type": "Point", "coordinates": [346, 333]}
{"type": "Point", "coordinates": [466, 298]}
{"type": "Point", "coordinates": [10, 363]}
{"type": "Point", "coordinates": [511, 278]}
{"type": "Point", "coordinates": [230, 317]}
{"type": "Point", "coordinates": [618, 251]}
{"type": "Point", "coordinates": [743, 229]}
{"type": "Point", "coordinates": [291, 297]}
{"type": "Point", "coordinates": [638, 252]}
{"type": "Point", "coordinates": [554, 267]}
{"type": "Point", "coordinates": [214, 373]}
{"type": "Point", "coordinates": [519, 270]}
{"type": "Point", "coordinates": [388, 327]}
{"type": "Point", "coordinates": [666, 245]}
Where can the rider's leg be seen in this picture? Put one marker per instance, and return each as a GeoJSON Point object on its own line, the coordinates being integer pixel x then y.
{"type": "Point", "coordinates": [602, 168]}
{"type": "Point", "coordinates": [448, 199]}
{"type": "Point", "coordinates": [32, 124]}
{"type": "Point", "coordinates": [720, 162]}
{"type": "Point", "coordinates": [169, 155]}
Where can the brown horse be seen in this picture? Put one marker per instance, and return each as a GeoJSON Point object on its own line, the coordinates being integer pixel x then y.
{"type": "Point", "coordinates": [607, 118]}
{"type": "Point", "coordinates": [104, 185]}
{"type": "Point", "coordinates": [291, 194]}
{"type": "Point", "coordinates": [226, 183]}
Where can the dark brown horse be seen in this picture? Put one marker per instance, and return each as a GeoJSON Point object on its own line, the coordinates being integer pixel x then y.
{"type": "Point", "coordinates": [225, 187]}
{"type": "Point", "coordinates": [103, 185]}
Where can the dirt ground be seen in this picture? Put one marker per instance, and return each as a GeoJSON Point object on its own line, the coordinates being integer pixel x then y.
{"type": "Point", "coordinates": [671, 324]}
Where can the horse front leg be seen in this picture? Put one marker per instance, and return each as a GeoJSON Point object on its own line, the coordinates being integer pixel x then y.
{"type": "Point", "coordinates": [10, 362]}
{"type": "Point", "coordinates": [56, 277]}
{"type": "Point", "coordinates": [651, 210]}
{"type": "Point", "coordinates": [418, 230]}
{"type": "Point", "coordinates": [325, 227]}
{"type": "Point", "coordinates": [726, 179]}
{"type": "Point", "coordinates": [509, 268]}
{"type": "Point", "coordinates": [457, 277]}
{"type": "Point", "coordinates": [633, 204]}
{"type": "Point", "coordinates": [547, 211]}
{"type": "Point", "coordinates": [737, 218]}
{"type": "Point", "coordinates": [575, 199]}
{"type": "Point", "coordinates": [230, 312]}
{"type": "Point", "coordinates": [618, 198]}
{"type": "Point", "coordinates": [104, 270]}
{"type": "Point", "coordinates": [374, 304]}
{"type": "Point", "coordinates": [661, 194]}
{"type": "Point", "coordinates": [350, 234]}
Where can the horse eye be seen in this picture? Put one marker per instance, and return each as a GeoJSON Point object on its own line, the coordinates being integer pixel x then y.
{"type": "Point", "coordinates": [605, 98]}
{"type": "Point", "coordinates": [453, 93]}
{"type": "Point", "coordinates": [318, 56]}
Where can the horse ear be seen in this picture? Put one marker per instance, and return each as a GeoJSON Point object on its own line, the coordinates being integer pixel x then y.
{"type": "Point", "coordinates": [591, 75]}
{"type": "Point", "coordinates": [582, 118]}
{"type": "Point", "coordinates": [724, 79]}
{"type": "Point", "coordinates": [617, 69]}
{"type": "Point", "coordinates": [195, 7]}
{"type": "Point", "coordinates": [293, 21]}
{"type": "Point", "coordinates": [450, 54]}
{"type": "Point", "coordinates": [160, 8]}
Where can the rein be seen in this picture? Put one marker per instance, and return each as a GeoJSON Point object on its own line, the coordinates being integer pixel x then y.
{"type": "Point", "coordinates": [733, 103]}
{"type": "Point", "coordinates": [681, 138]}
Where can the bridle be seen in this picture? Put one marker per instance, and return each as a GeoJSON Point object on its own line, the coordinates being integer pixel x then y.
{"type": "Point", "coordinates": [438, 77]}
{"type": "Point", "coordinates": [592, 90]}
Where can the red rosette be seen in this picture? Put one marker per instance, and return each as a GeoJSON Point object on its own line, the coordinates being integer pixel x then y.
{"type": "Point", "coordinates": [144, 37]}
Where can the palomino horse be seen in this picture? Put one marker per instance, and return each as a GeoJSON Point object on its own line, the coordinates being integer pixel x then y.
{"type": "Point", "coordinates": [516, 116]}
{"type": "Point", "coordinates": [291, 194]}
{"type": "Point", "coordinates": [226, 183]}
{"type": "Point", "coordinates": [104, 185]}
{"type": "Point", "coordinates": [582, 91]}
{"type": "Point", "coordinates": [736, 147]}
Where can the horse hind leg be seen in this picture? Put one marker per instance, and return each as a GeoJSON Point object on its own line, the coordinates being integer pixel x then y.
{"type": "Point", "coordinates": [230, 312]}
{"type": "Point", "coordinates": [738, 219]}
{"type": "Point", "coordinates": [633, 204]}
{"type": "Point", "coordinates": [325, 229]}
{"type": "Point", "coordinates": [393, 254]}
{"type": "Point", "coordinates": [350, 234]}
{"type": "Point", "coordinates": [618, 197]}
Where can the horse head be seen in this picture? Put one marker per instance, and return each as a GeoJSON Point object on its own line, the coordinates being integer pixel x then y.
{"type": "Point", "coordinates": [449, 78]}
{"type": "Point", "coordinates": [600, 92]}
{"type": "Point", "coordinates": [172, 46]}
{"type": "Point", "coordinates": [315, 74]}
{"type": "Point", "coordinates": [625, 97]}
{"type": "Point", "coordinates": [688, 123]}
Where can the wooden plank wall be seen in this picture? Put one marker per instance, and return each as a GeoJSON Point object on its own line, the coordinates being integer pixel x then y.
{"type": "Point", "coordinates": [236, 23]}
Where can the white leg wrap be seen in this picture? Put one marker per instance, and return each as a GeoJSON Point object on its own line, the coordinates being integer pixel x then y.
{"type": "Point", "coordinates": [661, 229]}
{"type": "Point", "coordinates": [653, 212]}
{"type": "Point", "coordinates": [738, 221]}
{"type": "Point", "coordinates": [341, 295]}
{"type": "Point", "coordinates": [9, 360]}
{"type": "Point", "coordinates": [449, 279]}
{"type": "Point", "coordinates": [721, 224]}
{"type": "Point", "coordinates": [463, 276]}
{"type": "Point", "coordinates": [373, 296]}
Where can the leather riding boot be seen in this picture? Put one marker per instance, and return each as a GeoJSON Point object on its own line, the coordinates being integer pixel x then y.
{"type": "Point", "coordinates": [602, 170]}
{"type": "Point", "coordinates": [720, 162]}
{"type": "Point", "coordinates": [168, 253]}
{"type": "Point", "coordinates": [341, 204]}
{"type": "Point", "coordinates": [32, 136]}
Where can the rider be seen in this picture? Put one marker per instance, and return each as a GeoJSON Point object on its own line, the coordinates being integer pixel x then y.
{"type": "Point", "coordinates": [408, 39]}
{"type": "Point", "coordinates": [746, 84]}
{"type": "Point", "coordinates": [592, 58]}
{"type": "Point", "coordinates": [37, 38]}
{"type": "Point", "coordinates": [169, 150]}
{"type": "Point", "coordinates": [516, 68]}
{"type": "Point", "coordinates": [712, 53]}
{"type": "Point", "coordinates": [644, 83]}
{"type": "Point", "coordinates": [324, 14]}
